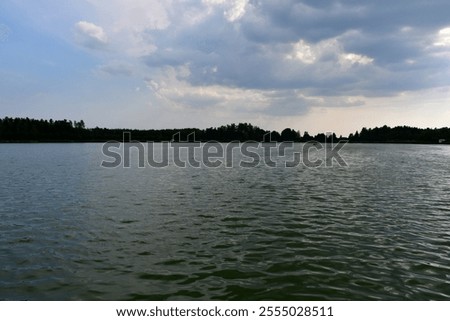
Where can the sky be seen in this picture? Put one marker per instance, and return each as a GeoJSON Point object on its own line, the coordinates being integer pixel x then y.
{"type": "Point", "coordinates": [311, 65]}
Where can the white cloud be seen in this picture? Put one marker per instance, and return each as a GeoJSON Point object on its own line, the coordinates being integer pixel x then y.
{"type": "Point", "coordinates": [330, 49]}
{"type": "Point", "coordinates": [90, 35]}
{"type": "Point", "coordinates": [133, 15]}
{"type": "Point", "coordinates": [213, 2]}
{"type": "Point", "coordinates": [443, 38]}
{"type": "Point", "coordinates": [233, 10]}
{"type": "Point", "coordinates": [172, 88]}
{"type": "Point", "coordinates": [351, 58]}
{"type": "Point", "coordinates": [303, 52]}
{"type": "Point", "coordinates": [236, 10]}
{"type": "Point", "coordinates": [128, 23]}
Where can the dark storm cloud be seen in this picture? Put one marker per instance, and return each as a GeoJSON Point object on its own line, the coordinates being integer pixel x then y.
{"type": "Point", "coordinates": [345, 47]}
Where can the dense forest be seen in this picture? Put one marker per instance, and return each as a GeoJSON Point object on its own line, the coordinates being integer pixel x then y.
{"type": "Point", "coordinates": [32, 130]}
{"type": "Point", "coordinates": [401, 134]}
{"type": "Point", "coordinates": [25, 129]}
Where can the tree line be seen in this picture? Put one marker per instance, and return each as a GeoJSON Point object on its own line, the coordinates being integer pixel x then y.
{"type": "Point", "coordinates": [34, 130]}
{"type": "Point", "coordinates": [401, 134]}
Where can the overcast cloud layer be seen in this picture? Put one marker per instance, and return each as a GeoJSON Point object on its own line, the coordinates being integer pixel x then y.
{"type": "Point", "coordinates": [314, 65]}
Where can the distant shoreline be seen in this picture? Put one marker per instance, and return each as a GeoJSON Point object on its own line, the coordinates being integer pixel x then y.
{"type": "Point", "coordinates": [102, 142]}
{"type": "Point", "coordinates": [26, 130]}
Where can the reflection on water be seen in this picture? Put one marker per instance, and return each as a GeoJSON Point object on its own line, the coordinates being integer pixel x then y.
{"type": "Point", "coordinates": [378, 229]}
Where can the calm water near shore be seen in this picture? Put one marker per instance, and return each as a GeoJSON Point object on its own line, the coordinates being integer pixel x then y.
{"type": "Point", "coordinates": [72, 230]}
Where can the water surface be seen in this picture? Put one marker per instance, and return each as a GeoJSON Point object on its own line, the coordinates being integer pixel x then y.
{"type": "Point", "coordinates": [72, 230]}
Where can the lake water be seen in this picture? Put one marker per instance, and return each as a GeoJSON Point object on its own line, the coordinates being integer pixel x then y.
{"type": "Point", "coordinates": [72, 230]}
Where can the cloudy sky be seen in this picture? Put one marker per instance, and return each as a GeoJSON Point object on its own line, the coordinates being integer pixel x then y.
{"type": "Point", "coordinates": [311, 65]}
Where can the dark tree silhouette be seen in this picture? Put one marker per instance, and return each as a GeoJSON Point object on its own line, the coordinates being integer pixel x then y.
{"type": "Point", "coordinates": [33, 130]}
{"type": "Point", "coordinates": [289, 134]}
